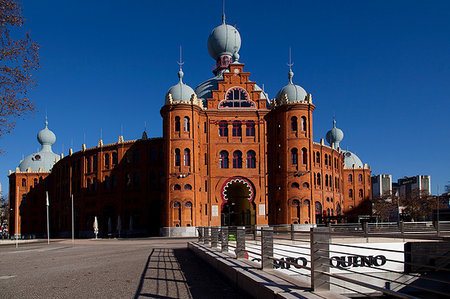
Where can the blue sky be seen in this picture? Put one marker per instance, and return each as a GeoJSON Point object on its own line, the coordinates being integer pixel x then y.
{"type": "Point", "coordinates": [382, 67]}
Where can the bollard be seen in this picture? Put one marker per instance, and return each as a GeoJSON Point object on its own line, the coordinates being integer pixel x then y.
{"type": "Point", "coordinates": [292, 232]}
{"type": "Point", "coordinates": [320, 261]}
{"type": "Point", "coordinates": [266, 248]}
{"type": "Point", "coordinates": [214, 236]}
{"type": "Point", "coordinates": [240, 242]}
{"type": "Point", "coordinates": [200, 234]}
{"type": "Point", "coordinates": [224, 232]}
{"type": "Point", "coordinates": [206, 235]}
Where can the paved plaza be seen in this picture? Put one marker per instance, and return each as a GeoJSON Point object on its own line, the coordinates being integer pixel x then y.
{"type": "Point", "coordinates": [147, 268]}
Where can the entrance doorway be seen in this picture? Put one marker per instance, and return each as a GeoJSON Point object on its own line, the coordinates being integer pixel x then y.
{"type": "Point", "coordinates": [239, 208]}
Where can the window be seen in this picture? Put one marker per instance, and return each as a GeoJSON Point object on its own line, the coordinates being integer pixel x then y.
{"type": "Point", "coordinates": [88, 164]}
{"type": "Point", "coordinates": [177, 123]}
{"type": "Point", "coordinates": [107, 183]}
{"type": "Point", "coordinates": [251, 159]}
{"type": "Point", "coordinates": [304, 156]}
{"type": "Point", "coordinates": [115, 158]}
{"type": "Point", "coordinates": [113, 181]}
{"type": "Point", "coordinates": [206, 186]}
{"type": "Point", "coordinates": [35, 182]}
{"type": "Point", "coordinates": [350, 178]}
{"type": "Point", "coordinates": [326, 180]}
{"type": "Point", "coordinates": [223, 128]}
{"type": "Point", "coordinates": [294, 123]}
{"type": "Point", "coordinates": [24, 183]}
{"type": "Point", "coordinates": [176, 187]}
{"type": "Point", "coordinates": [188, 204]}
{"type": "Point", "coordinates": [326, 159]}
{"type": "Point", "coordinates": [107, 160]}
{"type": "Point", "coordinates": [177, 157]}
{"type": "Point", "coordinates": [318, 157]}
{"type": "Point", "coordinates": [294, 156]}
{"type": "Point", "coordinates": [237, 128]}
{"type": "Point", "coordinates": [137, 156]}
{"type": "Point", "coordinates": [306, 185]}
{"type": "Point", "coordinates": [187, 157]}
{"type": "Point", "coordinates": [329, 160]}
{"type": "Point", "coordinates": [94, 184]}
{"type": "Point", "coordinates": [295, 203]}
{"type": "Point", "coordinates": [94, 162]}
{"type": "Point", "coordinates": [360, 178]}
{"type": "Point", "coordinates": [328, 199]}
{"type": "Point", "coordinates": [250, 128]}
{"type": "Point", "coordinates": [318, 179]}
{"type": "Point", "coordinates": [153, 154]}
{"type": "Point", "coordinates": [295, 186]}
{"type": "Point", "coordinates": [237, 159]}
{"type": "Point", "coordinates": [237, 97]}
{"type": "Point", "coordinates": [338, 209]}
{"type": "Point", "coordinates": [176, 205]}
{"type": "Point", "coordinates": [136, 179]}
{"type": "Point", "coordinates": [350, 193]}
{"type": "Point", "coordinates": [88, 184]}
{"type": "Point", "coordinates": [186, 124]}
{"type": "Point", "coordinates": [360, 193]}
{"type": "Point", "coordinates": [187, 187]}
{"type": "Point", "coordinates": [205, 128]}
{"type": "Point", "coordinates": [303, 124]}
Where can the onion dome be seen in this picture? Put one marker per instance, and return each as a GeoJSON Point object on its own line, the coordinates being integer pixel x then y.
{"type": "Point", "coordinates": [45, 158]}
{"type": "Point", "coordinates": [224, 40]}
{"type": "Point", "coordinates": [334, 136]}
{"type": "Point", "coordinates": [291, 93]}
{"type": "Point", "coordinates": [351, 160]}
{"type": "Point", "coordinates": [179, 92]}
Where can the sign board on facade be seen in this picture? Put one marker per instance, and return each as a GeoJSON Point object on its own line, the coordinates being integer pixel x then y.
{"type": "Point", "coordinates": [262, 210]}
{"type": "Point", "coordinates": [215, 210]}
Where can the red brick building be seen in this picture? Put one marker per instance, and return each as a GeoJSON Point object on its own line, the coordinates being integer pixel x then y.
{"type": "Point", "coordinates": [228, 156]}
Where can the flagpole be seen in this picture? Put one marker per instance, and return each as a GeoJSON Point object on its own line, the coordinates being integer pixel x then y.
{"type": "Point", "coordinates": [73, 232]}
{"type": "Point", "coordinates": [48, 226]}
{"type": "Point", "coordinates": [17, 217]}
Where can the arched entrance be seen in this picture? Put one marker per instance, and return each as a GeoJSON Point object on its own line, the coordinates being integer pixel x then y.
{"type": "Point", "coordinates": [238, 207]}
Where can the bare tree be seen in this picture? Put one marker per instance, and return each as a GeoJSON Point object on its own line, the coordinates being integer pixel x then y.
{"type": "Point", "coordinates": [420, 205]}
{"type": "Point", "coordinates": [4, 209]}
{"type": "Point", "coordinates": [384, 206]}
{"type": "Point", "coordinates": [18, 60]}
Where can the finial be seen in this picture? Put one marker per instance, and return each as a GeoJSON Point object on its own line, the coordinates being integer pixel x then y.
{"type": "Point", "coordinates": [223, 11]}
{"type": "Point", "coordinates": [290, 64]}
{"type": "Point", "coordinates": [46, 121]}
{"type": "Point", "coordinates": [180, 63]}
{"type": "Point", "coordinates": [334, 121]}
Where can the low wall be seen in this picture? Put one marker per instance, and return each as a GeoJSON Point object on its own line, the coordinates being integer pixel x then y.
{"type": "Point", "coordinates": [184, 231]}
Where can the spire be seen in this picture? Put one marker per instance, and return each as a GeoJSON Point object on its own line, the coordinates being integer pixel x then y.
{"type": "Point", "coordinates": [46, 121]}
{"type": "Point", "coordinates": [334, 122]}
{"type": "Point", "coordinates": [223, 11]}
{"type": "Point", "coordinates": [290, 64]}
{"type": "Point", "coordinates": [180, 63]}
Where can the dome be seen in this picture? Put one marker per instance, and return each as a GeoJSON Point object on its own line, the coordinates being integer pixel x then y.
{"type": "Point", "coordinates": [293, 92]}
{"type": "Point", "coordinates": [224, 40]}
{"type": "Point", "coordinates": [351, 160]}
{"type": "Point", "coordinates": [45, 158]}
{"type": "Point", "coordinates": [334, 136]}
{"type": "Point", "coordinates": [181, 92]}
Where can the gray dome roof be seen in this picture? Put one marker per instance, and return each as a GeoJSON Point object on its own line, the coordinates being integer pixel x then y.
{"type": "Point", "coordinates": [351, 160]}
{"type": "Point", "coordinates": [334, 136]}
{"type": "Point", "coordinates": [45, 158]}
{"type": "Point", "coordinates": [294, 93]}
{"type": "Point", "coordinates": [181, 92]}
{"type": "Point", "coordinates": [203, 90]}
{"type": "Point", "coordinates": [224, 40]}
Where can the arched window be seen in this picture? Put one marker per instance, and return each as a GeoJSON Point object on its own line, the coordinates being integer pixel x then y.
{"type": "Point", "coordinates": [188, 204]}
{"type": "Point", "coordinates": [88, 164]}
{"type": "Point", "coordinates": [295, 185]}
{"type": "Point", "coordinates": [176, 187]}
{"type": "Point", "coordinates": [106, 182]}
{"type": "Point", "coordinates": [360, 178]}
{"type": "Point", "coordinates": [237, 159]}
{"type": "Point", "coordinates": [250, 128]}
{"type": "Point", "coordinates": [338, 209]}
{"type": "Point", "coordinates": [295, 203]}
{"type": "Point", "coordinates": [113, 181]}
{"type": "Point", "coordinates": [94, 162]}
{"type": "Point", "coordinates": [107, 160]}
{"type": "Point", "coordinates": [326, 159]}
{"type": "Point", "coordinates": [223, 159]}
{"type": "Point", "coordinates": [251, 159]}
{"type": "Point", "coordinates": [328, 199]}
{"type": "Point", "coordinates": [318, 157]}
{"type": "Point", "coordinates": [35, 182]}
{"type": "Point", "coordinates": [318, 208]}
{"type": "Point", "coordinates": [24, 183]}
{"type": "Point", "coordinates": [326, 180]}
{"type": "Point", "coordinates": [350, 193]}
{"type": "Point", "coordinates": [186, 124]}
{"type": "Point", "coordinates": [294, 156]}
{"type": "Point", "coordinates": [177, 123]}
{"type": "Point", "coordinates": [350, 178]}
{"type": "Point", "coordinates": [360, 193]}
{"type": "Point", "coordinates": [115, 159]}
{"type": "Point", "coordinates": [177, 212]}
{"type": "Point", "coordinates": [304, 156]}
{"type": "Point", "coordinates": [88, 184]}
{"type": "Point", "coordinates": [318, 179]}
{"type": "Point", "coordinates": [223, 128]}
{"type": "Point", "coordinates": [177, 157]}
{"type": "Point", "coordinates": [237, 128]}
{"type": "Point", "coordinates": [187, 187]}
{"type": "Point", "coordinates": [306, 185]}
{"type": "Point", "coordinates": [187, 157]}
{"type": "Point", "coordinates": [303, 124]}
{"type": "Point", "coordinates": [329, 160]}
{"type": "Point", "coordinates": [331, 181]}
{"type": "Point", "coordinates": [294, 123]}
